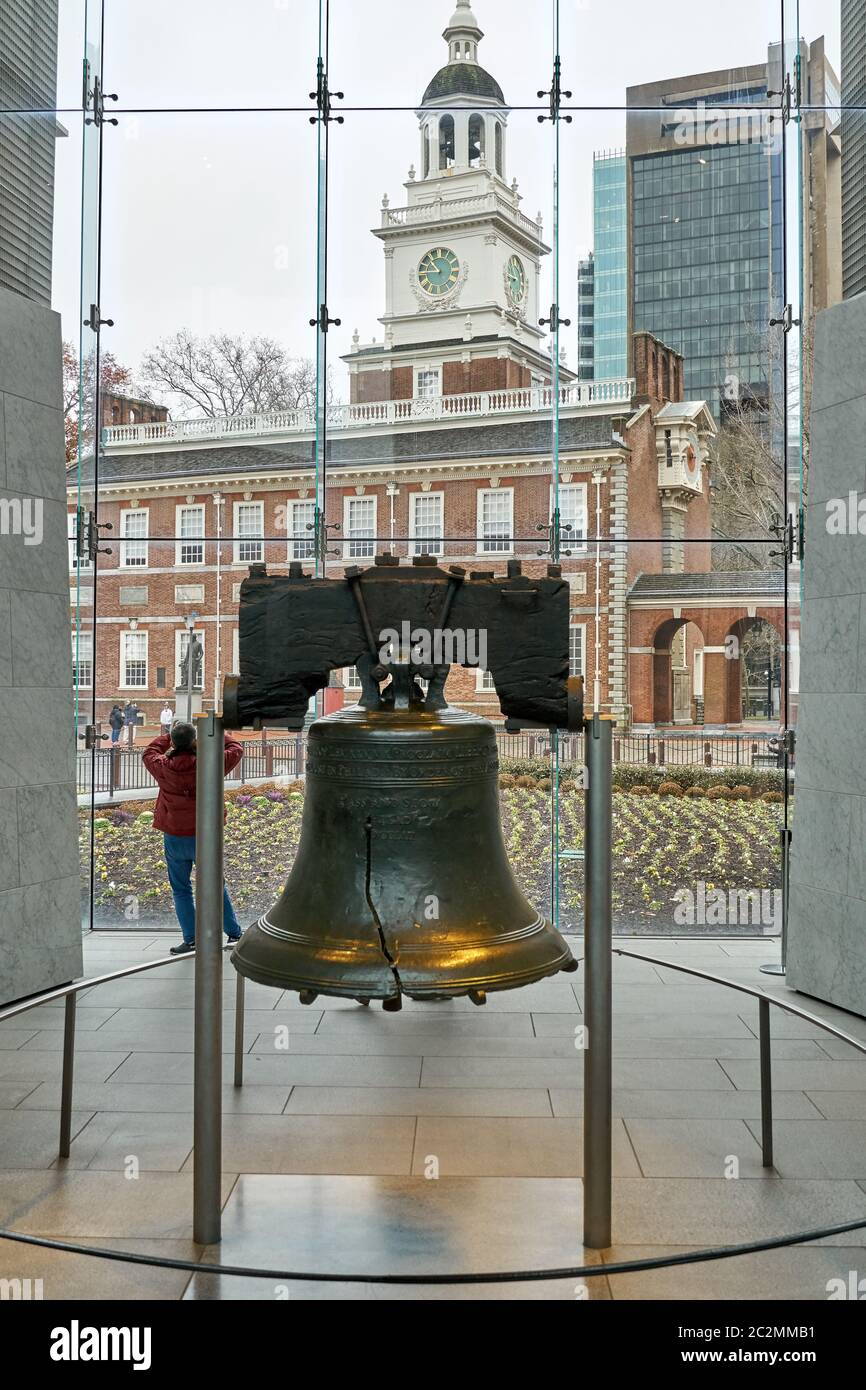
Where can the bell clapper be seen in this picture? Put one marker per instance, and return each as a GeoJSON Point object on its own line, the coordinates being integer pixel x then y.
{"type": "Point", "coordinates": [478, 996]}
{"type": "Point", "coordinates": [365, 1002]}
{"type": "Point", "coordinates": [308, 996]}
{"type": "Point", "coordinates": [571, 967]}
{"type": "Point", "coordinates": [393, 1005]}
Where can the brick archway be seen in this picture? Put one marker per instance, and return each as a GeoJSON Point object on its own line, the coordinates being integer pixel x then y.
{"type": "Point", "coordinates": [771, 618]}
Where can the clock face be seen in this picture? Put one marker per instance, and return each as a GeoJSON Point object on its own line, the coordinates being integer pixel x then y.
{"type": "Point", "coordinates": [438, 271]}
{"type": "Point", "coordinates": [515, 277]}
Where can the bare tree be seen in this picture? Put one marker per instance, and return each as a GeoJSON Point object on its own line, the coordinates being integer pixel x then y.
{"type": "Point", "coordinates": [223, 374]}
{"type": "Point", "coordinates": [78, 392]}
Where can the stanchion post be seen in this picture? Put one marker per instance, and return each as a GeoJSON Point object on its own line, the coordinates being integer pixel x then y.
{"type": "Point", "coordinates": [240, 1002]}
{"type": "Point", "coordinates": [598, 994]}
{"type": "Point", "coordinates": [68, 1072]}
{"type": "Point", "coordinates": [207, 1075]}
{"type": "Point", "coordinates": [766, 1083]}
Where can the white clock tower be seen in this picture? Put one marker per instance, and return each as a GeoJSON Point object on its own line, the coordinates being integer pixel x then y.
{"type": "Point", "coordinates": [462, 262]}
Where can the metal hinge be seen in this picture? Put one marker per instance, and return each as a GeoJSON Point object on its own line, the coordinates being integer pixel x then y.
{"type": "Point", "coordinates": [95, 99]}
{"type": "Point", "coordinates": [322, 96]}
{"type": "Point", "coordinates": [555, 94]}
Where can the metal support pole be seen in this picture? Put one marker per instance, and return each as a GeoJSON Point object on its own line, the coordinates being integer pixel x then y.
{"type": "Point", "coordinates": [766, 1082]}
{"type": "Point", "coordinates": [598, 941]}
{"type": "Point", "coordinates": [68, 1070]}
{"type": "Point", "coordinates": [207, 1074]}
{"type": "Point", "coordinates": [779, 967]}
{"type": "Point", "coordinates": [240, 1000]}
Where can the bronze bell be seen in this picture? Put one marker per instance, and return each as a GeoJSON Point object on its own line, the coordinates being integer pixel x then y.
{"type": "Point", "coordinates": [401, 884]}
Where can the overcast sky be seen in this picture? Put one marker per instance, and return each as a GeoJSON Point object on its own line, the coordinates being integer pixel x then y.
{"type": "Point", "coordinates": [209, 216]}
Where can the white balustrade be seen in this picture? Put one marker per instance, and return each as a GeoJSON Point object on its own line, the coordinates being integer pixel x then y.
{"type": "Point", "coordinates": [524, 400]}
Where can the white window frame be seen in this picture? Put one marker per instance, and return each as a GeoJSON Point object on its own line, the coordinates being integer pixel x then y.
{"type": "Point", "coordinates": [179, 634]}
{"type": "Point", "coordinates": [123, 684]}
{"type": "Point", "coordinates": [302, 543]}
{"type": "Point", "coordinates": [351, 541]}
{"type": "Point", "coordinates": [86, 563]}
{"type": "Point", "coordinates": [127, 542]}
{"type": "Point", "coordinates": [428, 369]}
{"type": "Point", "coordinates": [181, 541]}
{"type": "Point", "coordinates": [567, 538]}
{"type": "Point", "coordinates": [85, 636]}
{"type": "Point", "coordinates": [484, 682]}
{"type": "Point", "coordinates": [350, 681]}
{"type": "Point", "coordinates": [581, 628]}
{"type": "Point", "coordinates": [497, 546]}
{"type": "Point", "coordinates": [248, 540]}
{"type": "Point", "coordinates": [419, 545]}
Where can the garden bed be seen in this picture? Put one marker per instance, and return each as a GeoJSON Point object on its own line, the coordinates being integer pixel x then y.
{"type": "Point", "coordinates": [662, 845]}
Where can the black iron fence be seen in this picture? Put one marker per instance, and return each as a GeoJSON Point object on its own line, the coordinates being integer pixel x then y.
{"type": "Point", "coordinates": [118, 769]}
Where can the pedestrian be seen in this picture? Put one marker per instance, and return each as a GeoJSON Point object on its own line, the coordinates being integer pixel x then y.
{"type": "Point", "coordinates": [171, 762]}
{"type": "Point", "coordinates": [115, 721]}
{"type": "Point", "coordinates": [165, 717]}
{"type": "Point", "coordinates": [131, 717]}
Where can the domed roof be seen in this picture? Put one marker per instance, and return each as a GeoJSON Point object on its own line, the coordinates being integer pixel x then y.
{"type": "Point", "coordinates": [463, 80]}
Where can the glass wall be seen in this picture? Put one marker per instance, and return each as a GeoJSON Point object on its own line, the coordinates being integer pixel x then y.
{"type": "Point", "coordinates": [317, 266]}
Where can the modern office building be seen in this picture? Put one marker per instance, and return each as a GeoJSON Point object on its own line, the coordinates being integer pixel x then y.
{"type": "Point", "coordinates": [586, 318]}
{"type": "Point", "coordinates": [28, 130]}
{"type": "Point", "coordinates": [853, 147]}
{"type": "Point", "coordinates": [611, 264]}
{"type": "Point", "coordinates": [705, 215]}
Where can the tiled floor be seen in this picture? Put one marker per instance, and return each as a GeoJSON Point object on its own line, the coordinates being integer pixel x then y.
{"type": "Point", "coordinates": [440, 1139]}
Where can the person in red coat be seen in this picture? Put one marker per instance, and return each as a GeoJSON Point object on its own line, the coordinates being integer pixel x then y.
{"type": "Point", "coordinates": [171, 762]}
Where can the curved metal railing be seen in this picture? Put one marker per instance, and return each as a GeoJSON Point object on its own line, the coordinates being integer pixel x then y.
{"type": "Point", "coordinates": [71, 991]}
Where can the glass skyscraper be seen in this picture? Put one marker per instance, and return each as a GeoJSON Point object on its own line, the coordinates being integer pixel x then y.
{"type": "Point", "coordinates": [611, 265]}
{"type": "Point", "coordinates": [706, 250]}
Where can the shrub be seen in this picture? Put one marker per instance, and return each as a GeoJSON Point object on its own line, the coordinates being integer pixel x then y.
{"type": "Point", "coordinates": [774, 798]}
{"type": "Point", "coordinates": [528, 782]}
{"type": "Point", "coordinates": [506, 780]}
{"type": "Point", "coordinates": [146, 818]}
{"type": "Point", "coordinates": [719, 793]}
{"type": "Point", "coordinates": [642, 791]}
{"type": "Point", "coordinates": [544, 784]}
{"type": "Point", "coordinates": [670, 789]}
{"type": "Point", "coordinates": [101, 823]}
{"type": "Point", "coordinates": [742, 793]}
{"type": "Point", "coordinates": [695, 791]}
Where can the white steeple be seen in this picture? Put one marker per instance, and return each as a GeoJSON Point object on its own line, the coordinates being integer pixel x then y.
{"type": "Point", "coordinates": [463, 34]}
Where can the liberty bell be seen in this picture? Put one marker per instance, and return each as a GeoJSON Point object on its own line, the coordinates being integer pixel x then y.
{"type": "Point", "coordinates": [401, 884]}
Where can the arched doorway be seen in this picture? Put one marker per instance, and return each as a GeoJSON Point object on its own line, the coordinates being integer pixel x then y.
{"type": "Point", "coordinates": [678, 649]}
{"type": "Point", "coordinates": [755, 672]}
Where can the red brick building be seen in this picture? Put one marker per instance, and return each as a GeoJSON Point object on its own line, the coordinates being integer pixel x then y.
{"type": "Point", "coordinates": [444, 447]}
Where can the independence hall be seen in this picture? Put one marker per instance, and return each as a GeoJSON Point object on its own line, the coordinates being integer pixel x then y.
{"type": "Point", "coordinates": [443, 449]}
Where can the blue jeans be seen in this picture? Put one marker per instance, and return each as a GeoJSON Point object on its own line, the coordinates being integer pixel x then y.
{"type": "Point", "coordinates": [115, 735]}
{"type": "Point", "coordinates": [180, 857]}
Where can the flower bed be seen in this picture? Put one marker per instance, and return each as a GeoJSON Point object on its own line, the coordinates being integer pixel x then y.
{"type": "Point", "coordinates": [662, 844]}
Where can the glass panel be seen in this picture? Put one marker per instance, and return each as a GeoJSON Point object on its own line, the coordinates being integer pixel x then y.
{"type": "Point", "coordinates": [671, 56]}
{"type": "Point", "coordinates": [220, 56]}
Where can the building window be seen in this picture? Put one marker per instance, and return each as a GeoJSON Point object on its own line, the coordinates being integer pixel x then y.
{"type": "Point", "coordinates": [572, 512]}
{"type": "Point", "coordinates": [351, 678]}
{"type": "Point", "coordinates": [72, 526]}
{"type": "Point", "coordinates": [133, 661]}
{"type": "Point", "coordinates": [425, 152]}
{"type": "Point", "coordinates": [426, 525]}
{"type": "Point", "coordinates": [484, 681]}
{"type": "Point", "coordinates": [82, 659]}
{"type": "Point", "coordinates": [576, 649]}
{"type": "Point", "coordinates": [427, 383]}
{"type": "Point", "coordinates": [359, 527]}
{"type": "Point", "coordinates": [249, 533]}
{"type": "Point", "coordinates": [189, 546]}
{"type": "Point", "coordinates": [181, 644]}
{"type": "Point", "coordinates": [476, 141]}
{"type": "Point", "coordinates": [133, 545]}
{"type": "Point", "coordinates": [495, 520]}
{"type": "Point", "coordinates": [498, 147]}
{"type": "Point", "coordinates": [446, 142]}
{"type": "Point", "coordinates": [302, 542]}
